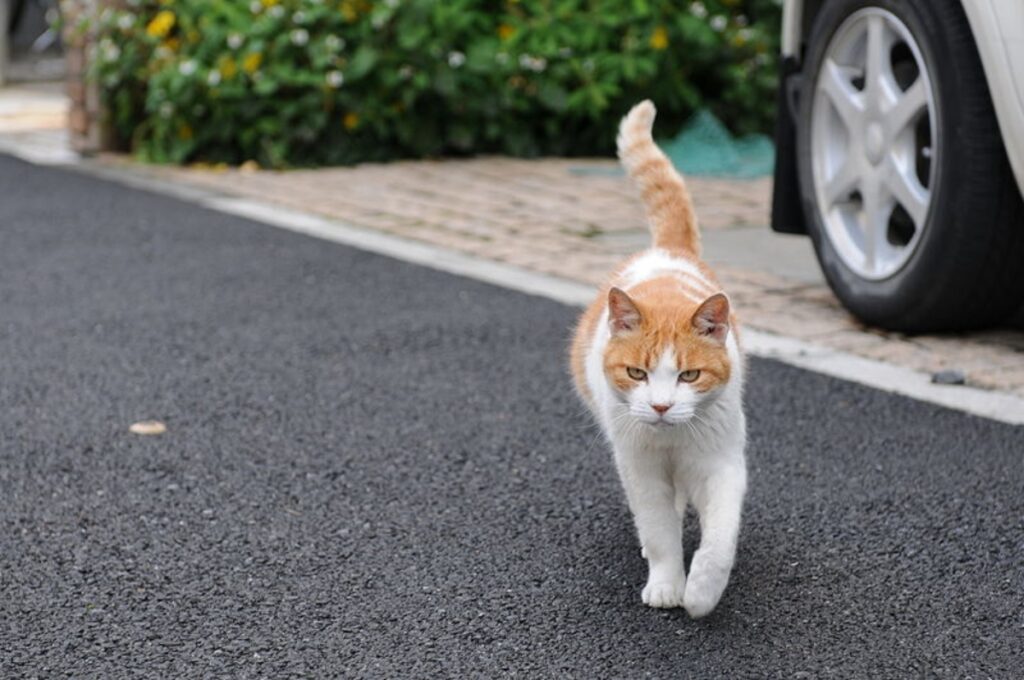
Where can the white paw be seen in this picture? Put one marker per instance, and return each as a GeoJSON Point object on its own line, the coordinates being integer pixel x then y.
{"type": "Point", "coordinates": [663, 595]}
{"type": "Point", "coordinates": [701, 597]}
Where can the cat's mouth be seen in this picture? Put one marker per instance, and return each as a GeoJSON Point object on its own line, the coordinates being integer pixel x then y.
{"type": "Point", "coordinates": [665, 422]}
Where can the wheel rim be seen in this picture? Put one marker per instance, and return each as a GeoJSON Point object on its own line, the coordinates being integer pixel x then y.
{"type": "Point", "coordinates": [874, 143]}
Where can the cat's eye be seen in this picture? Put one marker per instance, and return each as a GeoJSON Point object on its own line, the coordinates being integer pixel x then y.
{"type": "Point", "coordinates": [637, 374]}
{"type": "Point", "coordinates": [689, 376]}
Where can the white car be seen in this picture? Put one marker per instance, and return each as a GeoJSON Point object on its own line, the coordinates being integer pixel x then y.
{"type": "Point", "coordinates": [900, 142]}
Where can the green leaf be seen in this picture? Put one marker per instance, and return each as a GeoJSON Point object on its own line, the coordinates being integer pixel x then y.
{"type": "Point", "coordinates": [362, 63]}
{"type": "Point", "coordinates": [553, 96]}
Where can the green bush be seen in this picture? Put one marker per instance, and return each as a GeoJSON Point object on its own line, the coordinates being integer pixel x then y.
{"type": "Point", "coordinates": [302, 82]}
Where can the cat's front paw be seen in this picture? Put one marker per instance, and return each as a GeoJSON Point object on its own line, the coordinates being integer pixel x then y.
{"type": "Point", "coordinates": [663, 595]}
{"type": "Point", "coordinates": [701, 596]}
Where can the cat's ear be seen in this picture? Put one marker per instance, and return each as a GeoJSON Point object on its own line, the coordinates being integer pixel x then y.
{"type": "Point", "coordinates": [711, 320]}
{"type": "Point", "coordinates": [623, 315]}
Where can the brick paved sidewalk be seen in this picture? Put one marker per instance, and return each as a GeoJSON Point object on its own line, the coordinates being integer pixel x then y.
{"type": "Point", "coordinates": [34, 120]}
{"type": "Point", "coordinates": [576, 219]}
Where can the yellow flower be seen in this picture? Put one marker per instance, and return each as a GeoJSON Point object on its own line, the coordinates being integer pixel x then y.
{"type": "Point", "coordinates": [184, 132]}
{"type": "Point", "coordinates": [505, 32]}
{"type": "Point", "coordinates": [269, 3]}
{"type": "Point", "coordinates": [227, 67]}
{"type": "Point", "coordinates": [161, 24]}
{"type": "Point", "coordinates": [659, 39]}
{"type": "Point", "coordinates": [351, 120]}
{"type": "Point", "coordinates": [348, 10]}
{"type": "Point", "coordinates": [252, 62]}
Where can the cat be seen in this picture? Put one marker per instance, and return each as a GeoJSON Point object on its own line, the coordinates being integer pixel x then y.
{"type": "Point", "coordinates": [656, 359]}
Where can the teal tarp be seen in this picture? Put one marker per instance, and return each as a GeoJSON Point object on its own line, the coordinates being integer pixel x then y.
{"type": "Point", "coordinates": [706, 147]}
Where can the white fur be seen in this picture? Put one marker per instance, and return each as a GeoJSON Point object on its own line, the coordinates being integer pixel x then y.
{"type": "Point", "coordinates": [693, 454]}
{"type": "Point", "coordinates": [657, 262]}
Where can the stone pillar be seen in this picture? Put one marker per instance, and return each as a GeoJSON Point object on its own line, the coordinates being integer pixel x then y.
{"type": "Point", "coordinates": [87, 122]}
{"type": "Point", "coordinates": [5, 46]}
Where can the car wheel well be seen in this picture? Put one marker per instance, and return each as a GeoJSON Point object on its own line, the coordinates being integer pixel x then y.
{"type": "Point", "coordinates": [809, 14]}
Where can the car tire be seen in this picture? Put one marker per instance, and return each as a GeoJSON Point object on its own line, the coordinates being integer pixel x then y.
{"type": "Point", "coordinates": [960, 266]}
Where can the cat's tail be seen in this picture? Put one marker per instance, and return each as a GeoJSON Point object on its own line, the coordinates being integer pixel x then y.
{"type": "Point", "coordinates": [669, 208]}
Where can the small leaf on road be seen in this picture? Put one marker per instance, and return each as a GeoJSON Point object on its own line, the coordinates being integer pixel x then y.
{"type": "Point", "coordinates": [148, 427]}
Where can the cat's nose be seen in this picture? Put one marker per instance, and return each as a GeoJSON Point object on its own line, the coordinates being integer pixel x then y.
{"type": "Point", "coordinates": [661, 408]}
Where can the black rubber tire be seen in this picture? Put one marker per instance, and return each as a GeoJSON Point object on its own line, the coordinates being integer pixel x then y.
{"type": "Point", "coordinates": [968, 269]}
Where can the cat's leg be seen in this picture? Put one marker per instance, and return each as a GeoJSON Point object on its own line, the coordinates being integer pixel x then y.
{"type": "Point", "coordinates": [651, 496]}
{"type": "Point", "coordinates": [680, 501]}
{"type": "Point", "coordinates": [719, 503]}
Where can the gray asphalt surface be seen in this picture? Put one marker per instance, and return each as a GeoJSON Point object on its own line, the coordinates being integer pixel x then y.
{"type": "Point", "coordinates": [377, 470]}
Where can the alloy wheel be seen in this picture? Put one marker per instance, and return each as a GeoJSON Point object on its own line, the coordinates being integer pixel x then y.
{"type": "Point", "coordinates": [874, 143]}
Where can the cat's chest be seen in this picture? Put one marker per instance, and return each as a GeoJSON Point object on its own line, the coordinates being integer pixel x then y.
{"type": "Point", "coordinates": [692, 445]}
{"type": "Point", "coordinates": [673, 443]}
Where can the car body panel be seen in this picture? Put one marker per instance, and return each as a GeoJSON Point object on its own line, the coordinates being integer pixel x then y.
{"type": "Point", "coordinates": [792, 27]}
{"type": "Point", "coordinates": [998, 27]}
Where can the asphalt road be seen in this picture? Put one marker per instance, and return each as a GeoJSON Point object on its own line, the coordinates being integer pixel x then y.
{"type": "Point", "coordinates": [377, 470]}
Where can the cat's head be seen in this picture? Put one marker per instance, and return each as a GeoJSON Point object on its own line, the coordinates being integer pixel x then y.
{"type": "Point", "coordinates": [667, 355]}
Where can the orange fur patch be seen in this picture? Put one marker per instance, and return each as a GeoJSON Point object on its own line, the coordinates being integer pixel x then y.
{"type": "Point", "coordinates": [667, 305]}
{"type": "Point", "coordinates": [666, 315]}
{"type": "Point", "coordinates": [667, 302]}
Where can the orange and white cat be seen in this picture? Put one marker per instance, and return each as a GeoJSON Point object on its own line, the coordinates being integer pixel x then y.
{"type": "Point", "coordinates": [657, 361]}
